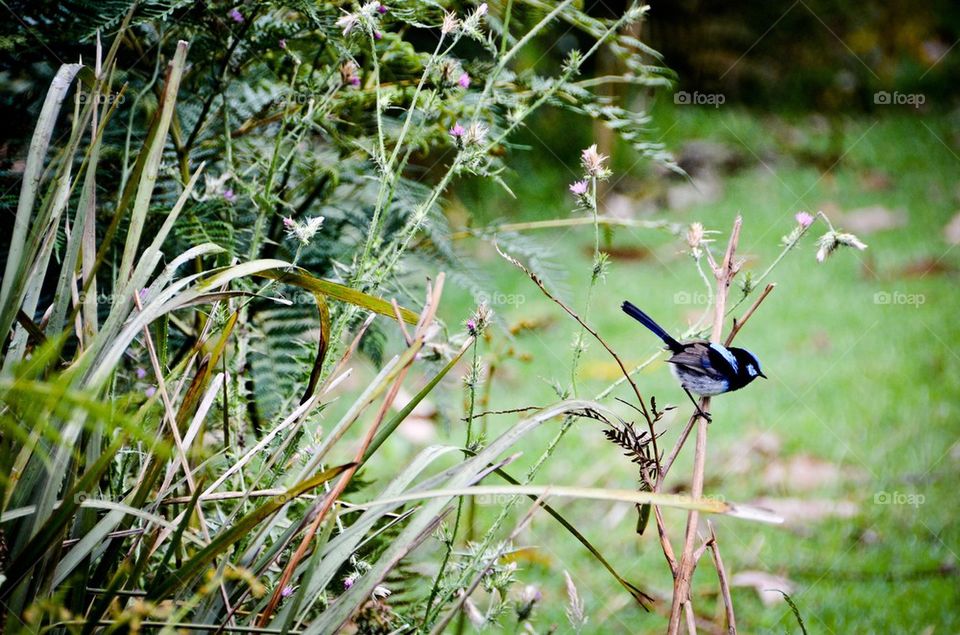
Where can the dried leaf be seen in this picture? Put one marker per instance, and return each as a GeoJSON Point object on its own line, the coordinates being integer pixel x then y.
{"type": "Point", "coordinates": [801, 511]}
{"type": "Point", "coordinates": [868, 220]}
{"type": "Point", "coordinates": [951, 232]}
{"type": "Point", "coordinates": [767, 585]}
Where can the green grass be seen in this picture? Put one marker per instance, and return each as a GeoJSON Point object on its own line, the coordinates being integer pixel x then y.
{"type": "Point", "coordinates": [871, 388]}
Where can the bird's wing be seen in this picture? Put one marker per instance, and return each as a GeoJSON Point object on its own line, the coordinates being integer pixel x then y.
{"type": "Point", "coordinates": [699, 357]}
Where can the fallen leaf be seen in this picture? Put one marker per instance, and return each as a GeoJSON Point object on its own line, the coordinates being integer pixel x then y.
{"type": "Point", "coordinates": [802, 472]}
{"type": "Point", "coordinates": [925, 267]}
{"type": "Point", "coordinates": [700, 156]}
{"type": "Point", "coordinates": [951, 232]}
{"type": "Point", "coordinates": [875, 180]}
{"type": "Point", "coordinates": [622, 253]}
{"type": "Point", "coordinates": [801, 511]}
{"type": "Point", "coordinates": [417, 430]}
{"type": "Point", "coordinates": [419, 427]}
{"type": "Point", "coordinates": [425, 408]}
{"type": "Point", "coordinates": [698, 191]}
{"type": "Point", "coordinates": [747, 457]}
{"type": "Point", "coordinates": [868, 220]}
{"type": "Point", "coordinates": [767, 585]}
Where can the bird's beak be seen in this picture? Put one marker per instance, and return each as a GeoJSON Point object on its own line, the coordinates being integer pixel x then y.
{"type": "Point", "coordinates": [762, 375]}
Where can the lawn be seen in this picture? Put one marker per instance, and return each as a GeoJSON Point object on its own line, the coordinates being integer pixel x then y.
{"type": "Point", "coordinates": [854, 438]}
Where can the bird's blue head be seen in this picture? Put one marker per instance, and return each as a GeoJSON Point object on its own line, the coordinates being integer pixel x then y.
{"type": "Point", "coordinates": [748, 365]}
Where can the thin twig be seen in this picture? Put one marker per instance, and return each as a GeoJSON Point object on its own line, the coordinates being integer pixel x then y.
{"type": "Point", "coordinates": [738, 324]}
{"type": "Point", "coordinates": [636, 391]}
{"type": "Point", "coordinates": [724, 581]}
{"type": "Point", "coordinates": [509, 411]}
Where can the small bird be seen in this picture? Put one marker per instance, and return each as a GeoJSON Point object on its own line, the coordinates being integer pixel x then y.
{"type": "Point", "coordinates": [704, 368]}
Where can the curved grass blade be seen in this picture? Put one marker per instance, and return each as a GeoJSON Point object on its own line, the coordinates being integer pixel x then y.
{"type": "Point", "coordinates": [339, 292]}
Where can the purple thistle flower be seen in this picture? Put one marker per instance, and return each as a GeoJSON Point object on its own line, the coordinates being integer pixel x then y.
{"type": "Point", "coordinates": [347, 583]}
{"type": "Point", "coordinates": [289, 223]}
{"type": "Point", "coordinates": [457, 131]}
{"type": "Point", "coordinates": [579, 188]}
{"type": "Point", "coordinates": [377, 35]}
{"type": "Point", "coordinates": [464, 81]}
{"type": "Point", "coordinates": [354, 81]}
{"type": "Point", "coordinates": [150, 392]}
{"type": "Point", "coordinates": [229, 196]}
{"type": "Point", "coordinates": [286, 592]}
{"type": "Point", "coordinates": [140, 372]}
{"type": "Point", "coordinates": [382, 9]}
{"type": "Point", "coordinates": [472, 326]}
{"type": "Point", "coordinates": [235, 15]}
{"type": "Point", "coordinates": [804, 219]}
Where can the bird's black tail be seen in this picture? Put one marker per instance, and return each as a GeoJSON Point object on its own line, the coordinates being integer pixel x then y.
{"type": "Point", "coordinates": [641, 317]}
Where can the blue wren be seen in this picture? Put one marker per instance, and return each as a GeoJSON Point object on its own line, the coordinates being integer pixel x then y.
{"type": "Point", "coordinates": [703, 368]}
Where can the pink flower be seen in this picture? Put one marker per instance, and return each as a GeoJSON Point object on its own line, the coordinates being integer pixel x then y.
{"type": "Point", "coordinates": [150, 392]}
{"type": "Point", "coordinates": [283, 43]}
{"type": "Point", "coordinates": [286, 592]}
{"type": "Point", "coordinates": [472, 327]}
{"type": "Point", "coordinates": [354, 81]}
{"type": "Point", "coordinates": [141, 373]}
{"type": "Point", "coordinates": [593, 162]}
{"type": "Point", "coordinates": [377, 35]}
{"type": "Point", "coordinates": [457, 131]}
{"type": "Point", "coordinates": [289, 223]}
{"type": "Point", "coordinates": [579, 188]}
{"type": "Point", "coordinates": [347, 583]}
{"type": "Point", "coordinates": [464, 81]}
{"type": "Point", "coordinates": [382, 9]}
{"type": "Point", "coordinates": [229, 196]}
{"type": "Point", "coordinates": [235, 15]}
{"type": "Point", "coordinates": [804, 219]}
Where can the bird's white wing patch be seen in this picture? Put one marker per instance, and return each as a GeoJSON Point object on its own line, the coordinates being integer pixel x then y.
{"type": "Point", "coordinates": [727, 355]}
